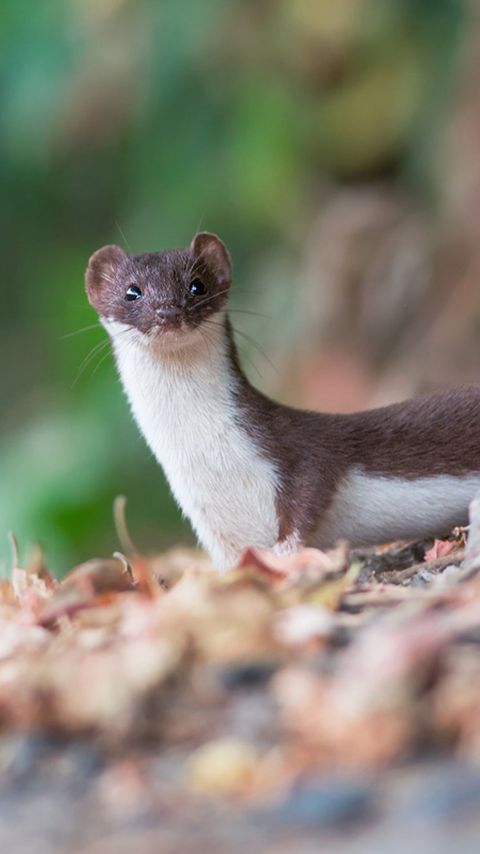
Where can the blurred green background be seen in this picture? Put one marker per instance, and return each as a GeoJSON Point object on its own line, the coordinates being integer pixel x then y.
{"type": "Point", "coordinates": [140, 122]}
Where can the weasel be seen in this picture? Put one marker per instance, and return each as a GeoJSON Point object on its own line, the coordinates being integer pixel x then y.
{"type": "Point", "coordinates": [246, 470]}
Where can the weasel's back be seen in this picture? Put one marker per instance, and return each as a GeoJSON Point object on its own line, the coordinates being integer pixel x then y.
{"type": "Point", "coordinates": [422, 437]}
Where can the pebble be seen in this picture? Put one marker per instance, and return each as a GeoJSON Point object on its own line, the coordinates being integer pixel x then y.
{"type": "Point", "coordinates": [328, 803]}
{"type": "Point", "coordinates": [247, 675]}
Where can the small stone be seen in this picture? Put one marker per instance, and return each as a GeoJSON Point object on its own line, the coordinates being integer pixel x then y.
{"type": "Point", "coordinates": [449, 575]}
{"type": "Point", "coordinates": [250, 674]}
{"type": "Point", "coordinates": [323, 804]}
{"type": "Point", "coordinates": [423, 577]}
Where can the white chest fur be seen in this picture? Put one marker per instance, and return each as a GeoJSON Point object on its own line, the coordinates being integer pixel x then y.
{"type": "Point", "coordinates": [182, 400]}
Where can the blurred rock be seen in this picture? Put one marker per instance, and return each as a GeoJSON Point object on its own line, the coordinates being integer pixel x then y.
{"type": "Point", "coordinates": [334, 801]}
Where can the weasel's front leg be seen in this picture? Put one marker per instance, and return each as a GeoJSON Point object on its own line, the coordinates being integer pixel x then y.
{"type": "Point", "coordinates": [224, 554]}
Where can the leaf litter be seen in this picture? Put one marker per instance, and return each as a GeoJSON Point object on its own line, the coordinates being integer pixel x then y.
{"type": "Point", "coordinates": [283, 669]}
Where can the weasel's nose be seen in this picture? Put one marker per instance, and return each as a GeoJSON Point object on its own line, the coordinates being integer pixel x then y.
{"type": "Point", "coordinates": [168, 314]}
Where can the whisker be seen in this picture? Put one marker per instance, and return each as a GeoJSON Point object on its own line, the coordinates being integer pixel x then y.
{"type": "Point", "coordinates": [206, 338]}
{"type": "Point", "coordinates": [88, 358]}
{"type": "Point", "coordinates": [208, 299]}
{"type": "Point", "coordinates": [247, 338]}
{"type": "Point", "coordinates": [260, 350]}
{"type": "Point", "coordinates": [254, 344]}
{"type": "Point", "coordinates": [79, 331]}
{"type": "Point", "coordinates": [100, 362]}
{"type": "Point", "coordinates": [199, 224]}
{"type": "Point", "coordinates": [122, 235]}
{"type": "Point", "coordinates": [252, 364]}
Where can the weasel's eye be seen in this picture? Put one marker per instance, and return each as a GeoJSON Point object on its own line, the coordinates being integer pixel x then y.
{"type": "Point", "coordinates": [197, 288]}
{"type": "Point", "coordinates": [133, 292]}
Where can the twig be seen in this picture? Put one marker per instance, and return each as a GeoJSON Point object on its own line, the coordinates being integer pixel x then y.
{"type": "Point", "coordinates": [126, 566]}
{"type": "Point", "coordinates": [15, 552]}
{"type": "Point", "coordinates": [438, 563]}
{"type": "Point", "coordinates": [120, 522]}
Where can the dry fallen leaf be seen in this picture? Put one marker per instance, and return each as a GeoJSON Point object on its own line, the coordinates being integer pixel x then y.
{"type": "Point", "coordinates": [223, 767]}
{"type": "Point", "coordinates": [440, 548]}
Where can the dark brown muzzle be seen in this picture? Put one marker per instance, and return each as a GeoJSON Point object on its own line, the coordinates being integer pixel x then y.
{"type": "Point", "coordinates": [168, 315]}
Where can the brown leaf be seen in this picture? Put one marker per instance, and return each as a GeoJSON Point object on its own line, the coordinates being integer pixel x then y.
{"type": "Point", "coordinates": [99, 575]}
{"type": "Point", "coordinates": [440, 548]}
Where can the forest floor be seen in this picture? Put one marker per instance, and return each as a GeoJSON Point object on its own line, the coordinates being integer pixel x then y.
{"type": "Point", "coordinates": [150, 704]}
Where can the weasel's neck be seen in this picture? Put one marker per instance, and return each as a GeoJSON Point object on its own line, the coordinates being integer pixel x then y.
{"type": "Point", "coordinates": [185, 401]}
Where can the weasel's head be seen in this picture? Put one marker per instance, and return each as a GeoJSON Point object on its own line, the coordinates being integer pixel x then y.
{"type": "Point", "coordinates": [162, 295]}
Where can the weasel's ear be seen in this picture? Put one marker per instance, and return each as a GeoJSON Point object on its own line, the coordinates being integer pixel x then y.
{"type": "Point", "coordinates": [208, 249]}
{"type": "Point", "coordinates": [101, 270]}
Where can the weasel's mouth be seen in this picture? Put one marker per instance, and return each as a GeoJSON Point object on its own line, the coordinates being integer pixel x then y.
{"type": "Point", "coordinates": [168, 331]}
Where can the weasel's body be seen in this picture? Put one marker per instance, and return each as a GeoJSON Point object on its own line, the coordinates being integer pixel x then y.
{"type": "Point", "coordinates": [249, 471]}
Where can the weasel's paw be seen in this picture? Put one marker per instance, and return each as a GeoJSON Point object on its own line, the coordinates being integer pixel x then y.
{"type": "Point", "coordinates": [289, 545]}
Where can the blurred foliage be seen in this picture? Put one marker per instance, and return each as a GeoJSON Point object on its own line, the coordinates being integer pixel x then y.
{"type": "Point", "coordinates": [139, 122]}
